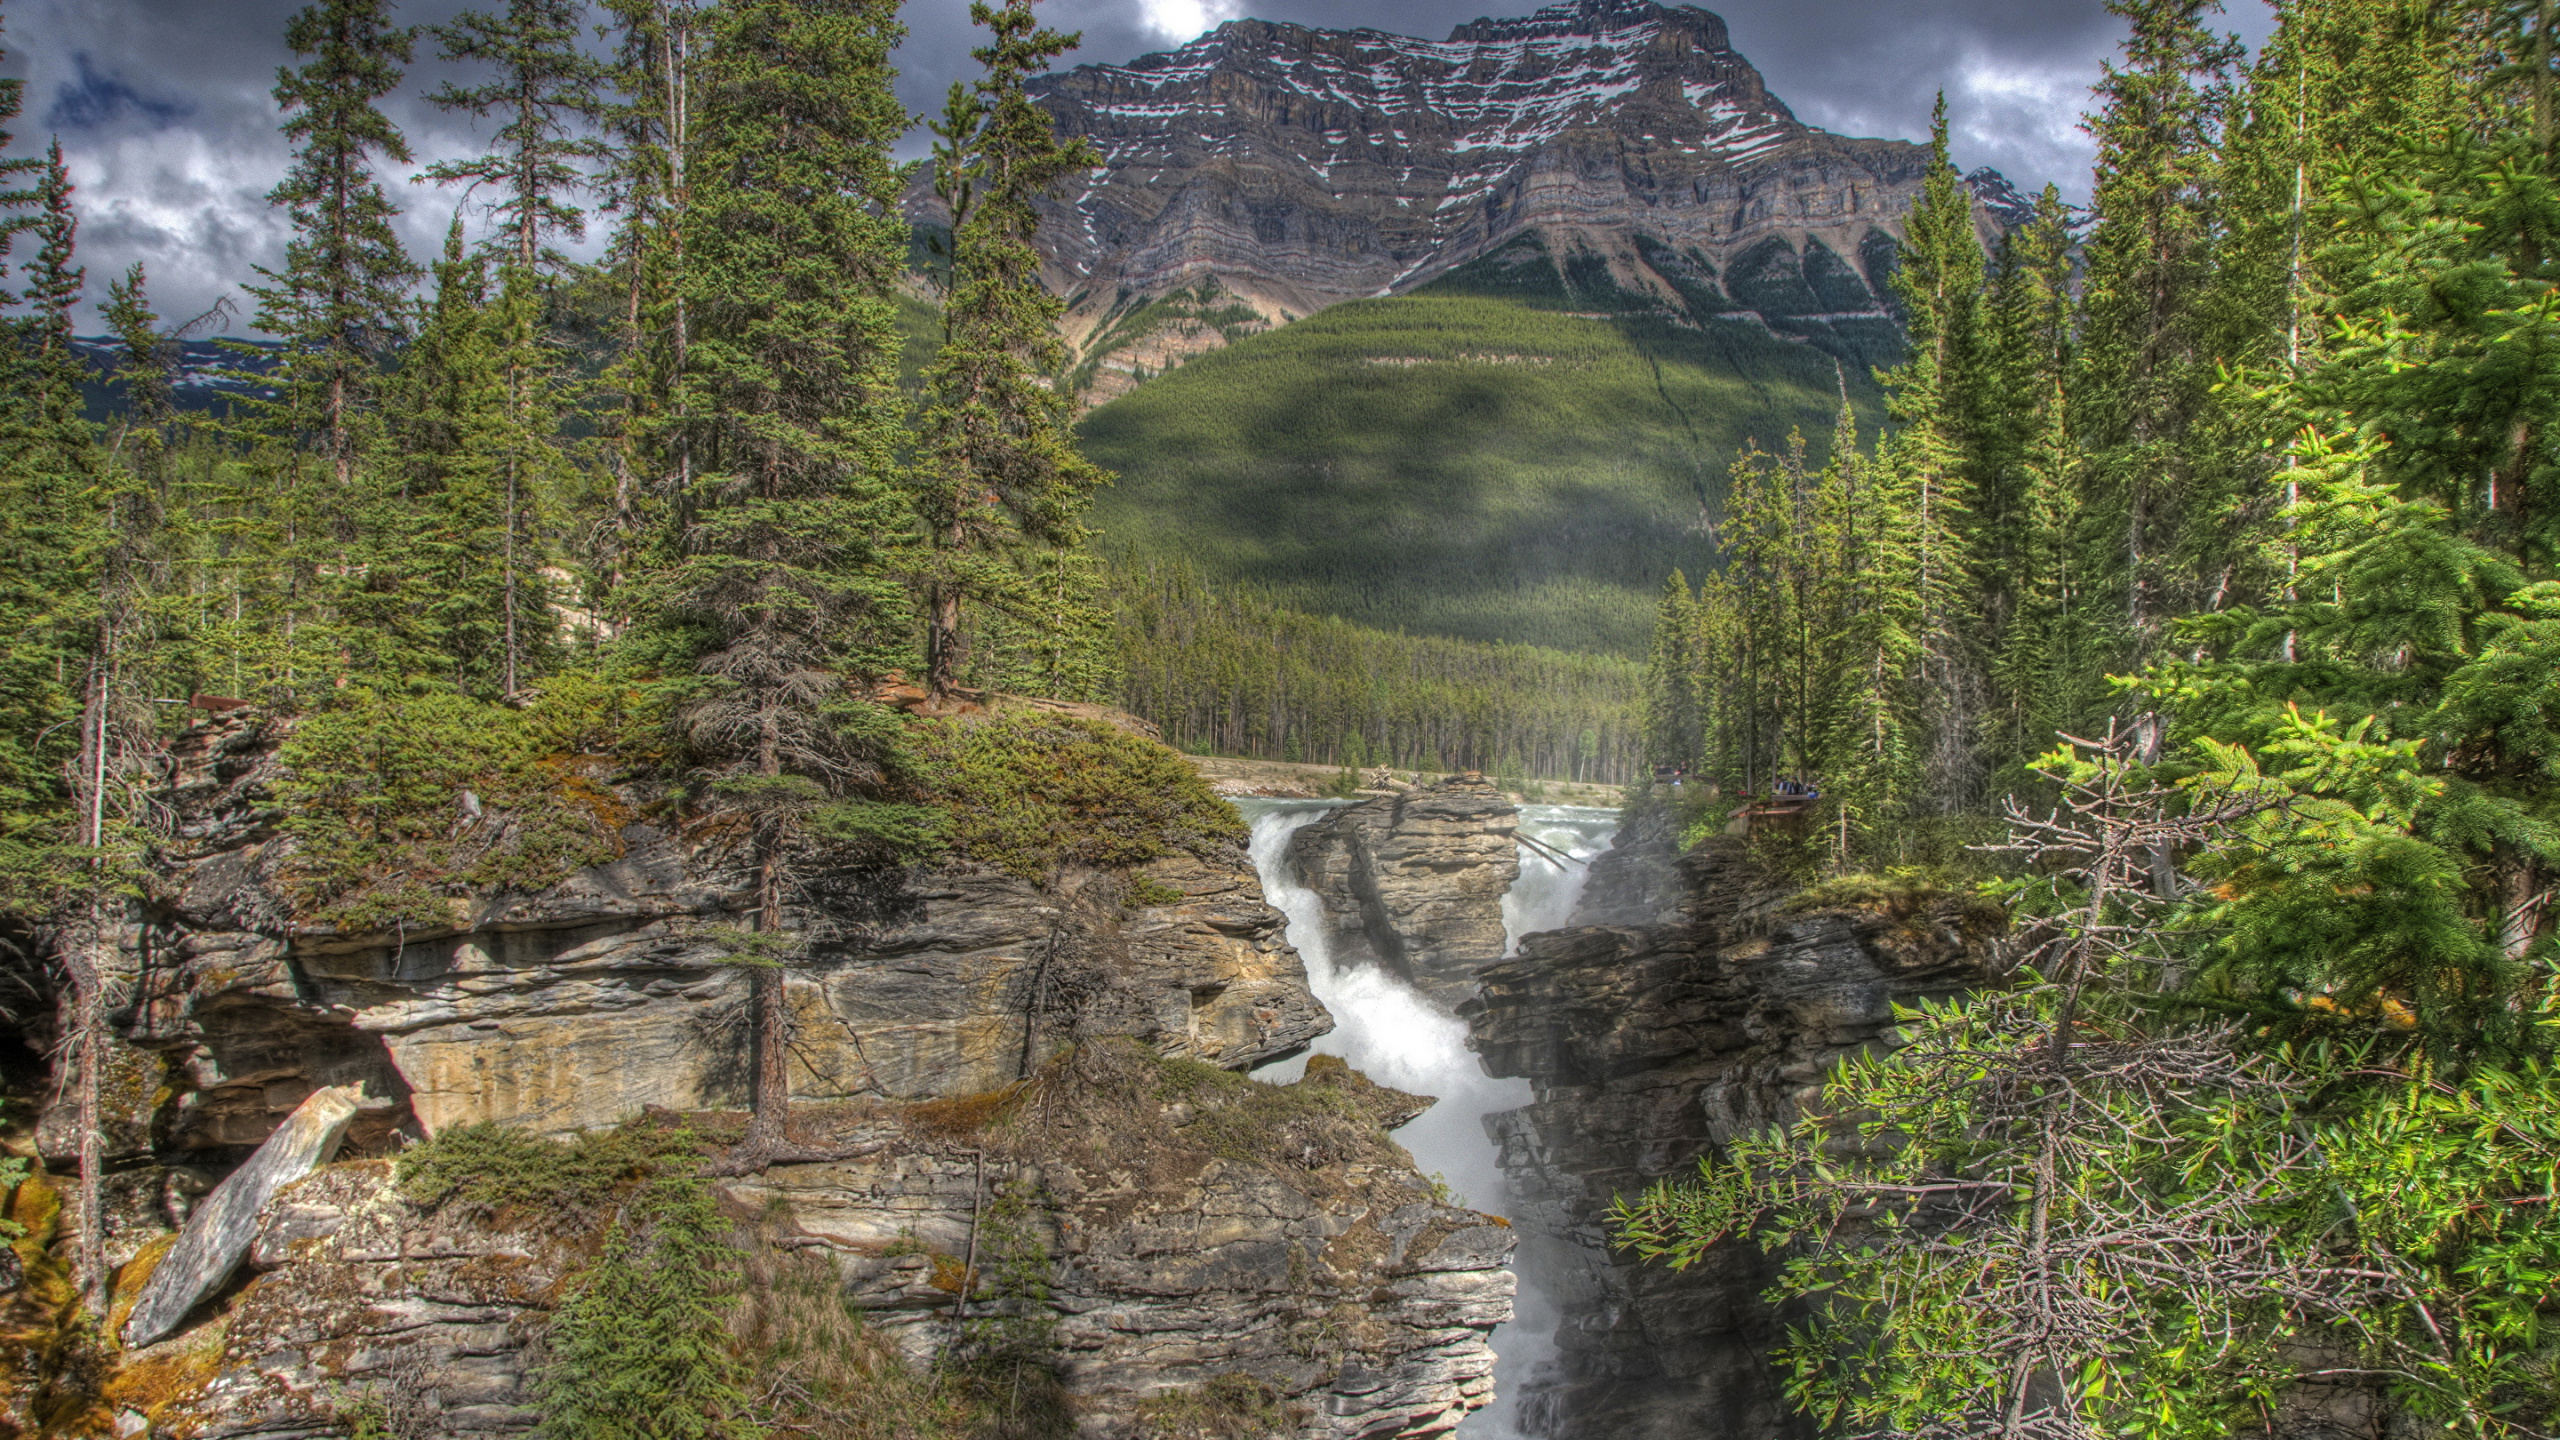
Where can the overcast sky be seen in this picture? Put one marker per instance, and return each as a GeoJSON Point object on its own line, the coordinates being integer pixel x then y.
{"type": "Point", "coordinates": [164, 111]}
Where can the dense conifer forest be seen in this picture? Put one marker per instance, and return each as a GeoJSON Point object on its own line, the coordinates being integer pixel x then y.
{"type": "Point", "coordinates": [2200, 594]}
{"type": "Point", "coordinates": [732, 465]}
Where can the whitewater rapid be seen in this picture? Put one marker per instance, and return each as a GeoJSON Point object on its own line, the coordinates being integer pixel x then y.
{"type": "Point", "coordinates": [1386, 1030]}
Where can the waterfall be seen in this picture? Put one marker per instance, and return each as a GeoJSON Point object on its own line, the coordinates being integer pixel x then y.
{"type": "Point", "coordinates": [1546, 892]}
{"type": "Point", "coordinates": [1386, 1030]}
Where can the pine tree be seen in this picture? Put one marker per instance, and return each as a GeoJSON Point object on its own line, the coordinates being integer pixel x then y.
{"type": "Point", "coordinates": [2155, 500]}
{"type": "Point", "coordinates": [338, 304]}
{"type": "Point", "coordinates": [999, 480]}
{"type": "Point", "coordinates": [1672, 732]}
{"type": "Point", "coordinates": [437, 550]}
{"type": "Point", "coordinates": [1938, 281]}
{"type": "Point", "coordinates": [550, 95]}
{"type": "Point", "coordinates": [645, 181]}
{"type": "Point", "coordinates": [2045, 668]}
{"type": "Point", "coordinates": [2428, 537]}
{"type": "Point", "coordinates": [16, 198]}
{"type": "Point", "coordinates": [786, 420]}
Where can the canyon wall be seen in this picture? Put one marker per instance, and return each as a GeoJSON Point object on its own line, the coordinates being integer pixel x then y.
{"type": "Point", "coordinates": [1413, 883]}
{"type": "Point", "coordinates": [1196, 1225]}
{"type": "Point", "coordinates": [1702, 1006]}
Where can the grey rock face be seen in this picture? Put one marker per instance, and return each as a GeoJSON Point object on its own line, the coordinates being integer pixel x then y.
{"type": "Point", "coordinates": [1295, 168]}
{"type": "Point", "coordinates": [1649, 1045]}
{"type": "Point", "coordinates": [609, 992]}
{"type": "Point", "coordinates": [1343, 1284]}
{"type": "Point", "coordinates": [1414, 883]}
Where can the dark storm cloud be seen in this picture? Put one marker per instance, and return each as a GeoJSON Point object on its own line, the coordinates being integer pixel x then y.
{"type": "Point", "coordinates": [96, 100]}
{"type": "Point", "coordinates": [165, 112]}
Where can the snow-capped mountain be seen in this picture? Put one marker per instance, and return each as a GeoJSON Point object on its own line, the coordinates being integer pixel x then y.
{"type": "Point", "coordinates": [1298, 167]}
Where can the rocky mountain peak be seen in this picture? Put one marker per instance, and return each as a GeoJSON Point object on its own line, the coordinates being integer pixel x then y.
{"type": "Point", "coordinates": [1596, 18]}
{"type": "Point", "coordinates": [1267, 170]}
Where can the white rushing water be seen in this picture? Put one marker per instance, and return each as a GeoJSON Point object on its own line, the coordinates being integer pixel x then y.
{"type": "Point", "coordinates": [1385, 1029]}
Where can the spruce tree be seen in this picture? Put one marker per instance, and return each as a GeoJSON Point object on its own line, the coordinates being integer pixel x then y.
{"type": "Point", "coordinates": [999, 481]}
{"type": "Point", "coordinates": [17, 199]}
{"type": "Point", "coordinates": [2155, 500]}
{"type": "Point", "coordinates": [786, 421]}
{"type": "Point", "coordinates": [339, 302]}
{"type": "Point", "coordinates": [1938, 281]}
{"type": "Point", "coordinates": [1672, 732]}
{"type": "Point", "coordinates": [450, 438]}
{"type": "Point", "coordinates": [2044, 666]}
{"type": "Point", "coordinates": [2428, 537]}
{"type": "Point", "coordinates": [550, 96]}
{"type": "Point", "coordinates": [645, 182]}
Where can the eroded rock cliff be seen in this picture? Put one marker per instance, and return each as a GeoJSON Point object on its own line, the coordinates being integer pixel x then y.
{"type": "Point", "coordinates": [1705, 1007]}
{"type": "Point", "coordinates": [1194, 1225]}
{"type": "Point", "coordinates": [1413, 883]}
{"type": "Point", "coordinates": [962, 1033]}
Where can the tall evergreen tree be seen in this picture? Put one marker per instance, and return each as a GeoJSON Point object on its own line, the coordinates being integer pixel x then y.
{"type": "Point", "coordinates": [2156, 493]}
{"type": "Point", "coordinates": [339, 302]}
{"type": "Point", "coordinates": [2044, 658]}
{"type": "Point", "coordinates": [1672, 732]}
{"type": "Point", "coordinates": [999, 480]}
{"type": "Point", "coordinates": [550, 95]}
{"type": "Point", "coordinates": [645, 182]}
{"type": "Point", "coordinates": [1938, 281]}
{"type": "Point", "coordinates": [787, 418]}
{"type": "Point", "coordinates": [17, 199]}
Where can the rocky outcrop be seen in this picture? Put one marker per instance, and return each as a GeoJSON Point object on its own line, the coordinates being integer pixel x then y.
{"type": "Point", "coordinates": [1267, 170]}
{"type": "Point", "coordinates": [1649, 1044]}
{"type": "Point", "coordinates": [1414, 882]}
{"type": "Point", "coordinates": [1302, 1252]}
{"type": "Point", "coordinates": [210, 1244]}
{"type": "Point", "coordinates": [611, 991]}
{"type": "Point", "coordinates": [1201, 1225]}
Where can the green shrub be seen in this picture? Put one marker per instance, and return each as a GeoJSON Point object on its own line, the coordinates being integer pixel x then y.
{"type": "Point", "coordinates": [494, 1169]}
{"type": "Point", "coordinates": [375, 791]}
{"type": "Point", "coordinates": [641, 1348]}
{"type": "Point", "coordinates": [1030, 792]}
{"type": "Point", "coordinates": [1224, 1407]}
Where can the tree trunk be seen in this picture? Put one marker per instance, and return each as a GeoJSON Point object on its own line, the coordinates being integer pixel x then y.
{"type": "Point", "coordinates": [85, 955]}
{"type": "Point", "coordinates": [2519, 903]}
{"type": "Point", "coordinates": [768, 994]}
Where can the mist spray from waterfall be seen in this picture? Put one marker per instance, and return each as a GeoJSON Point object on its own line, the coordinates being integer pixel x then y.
{"type": "Point", "coordinates": [1385, 1029]}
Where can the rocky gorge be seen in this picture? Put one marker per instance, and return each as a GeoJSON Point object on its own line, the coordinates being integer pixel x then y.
{"type": "Point", "coordinates": [1072, 1054]}
{"type": "Point", "coordinates": [963, 1035]}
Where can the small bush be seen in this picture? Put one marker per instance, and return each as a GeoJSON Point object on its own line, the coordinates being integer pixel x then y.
{"type": "Point", "coordinates": [494, 1169]}
{"type": "Point", "coordinates": [641, 1347]}
{"type": "Point", "coordinates": [1029, 793]}
{"type": "Point", "coordinates": [1225, 1407]}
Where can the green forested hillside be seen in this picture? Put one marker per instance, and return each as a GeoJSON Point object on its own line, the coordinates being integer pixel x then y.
{"type": "Point", "coordinates": [1487, 467]}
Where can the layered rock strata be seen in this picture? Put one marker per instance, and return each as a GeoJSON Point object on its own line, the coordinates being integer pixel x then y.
{"type": "Point", "coordinates": [1226, 1233]}
{"type": "Point", "coordinates": [1649, 1043]}
{"type": "Point", "coordinates": [1310, 1258]}
{"type": "Point", "coordinates": [613, 990]}
{"type": "Point", "coordinates": [1414, 882]}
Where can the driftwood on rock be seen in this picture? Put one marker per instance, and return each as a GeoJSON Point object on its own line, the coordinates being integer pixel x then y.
{"type": "Point", "coordinates": [217, 1235]}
